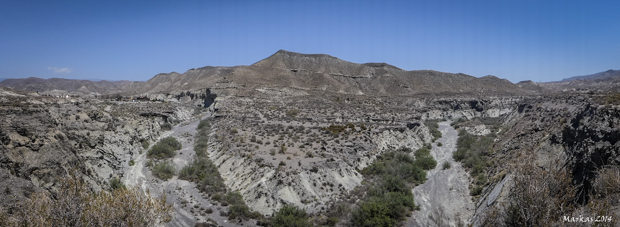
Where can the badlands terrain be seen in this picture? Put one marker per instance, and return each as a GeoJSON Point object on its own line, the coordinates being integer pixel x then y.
{"type": "Point", "coordinates": [310, 139]}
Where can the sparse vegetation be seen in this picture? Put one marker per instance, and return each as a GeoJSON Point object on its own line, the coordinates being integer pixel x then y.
{"type": "Point", "coordinates": [116, 183]}
{"type": "Point", "coordinates": [290, 216]}
{"type": "Point", "coordinates": [389, 198]}
{"type": "Point", "coordinates": [237, 207]}
{"type": "Point", "coordinates": [433, 128]}
{"type": "Point", "coordinates": [446, 165]}
{"type": "Point", "coordinates": [203, 172]}
{"type": "Point", "coordinates": [473, 152]}
{"type": "Point", "coordinates": [292, 113]}
{"type": "Point", "coordinates": [76, 205]}
{"type": "Point", "coordinates": [165, 148]}
{"type": "Point", "coordinates": [163, 170]}
{"type": "Point", "coordinates": [201, 140]}
{"type": "Point", "coordinates": [145, 144]}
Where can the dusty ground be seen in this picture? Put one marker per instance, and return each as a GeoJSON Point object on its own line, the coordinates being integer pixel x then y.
{"type": "Point", "coordinates": [444, 198]}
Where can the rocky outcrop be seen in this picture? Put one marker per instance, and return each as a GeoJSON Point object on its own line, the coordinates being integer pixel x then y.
{"type": "Point", "coordinates": [41, 143]}
{"type": "Point", "coordinates": [468, 108]}
{"type": "Point", "coordinates": [571, 132]}
{"type": "Point", "coordinates": [267, 188]}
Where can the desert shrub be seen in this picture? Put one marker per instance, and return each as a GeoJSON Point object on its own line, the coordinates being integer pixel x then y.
{"type": "Point", "coordinates": [608, 182]}
{"type": "Point", "coordinates": [76, 205]}
{"type": "Point", "coordinates": [165, 148]}
{"type": "Point", "coordinates": [389, 198]}
{"type": "Point", "coordinates": [433, 128]}
{"type": "Point", "coordinates": [422, 152]}
{"type": "Point", "coordinates": [459, 121]}
{"type": "Point", "coordinates": [203, 124]}
{"type": "Point", "coordinates": [336, 129]}
{"type": "Point", "coordinates": [476, 190]}
{"type": "Point", "coordinates": [439, 144]}
{"type": "Point", "coordinates": [426, 162]}
{"type": "Point", "coordinates": [385, 210]}
{"type": "Point", "coordinates": [132, 162]}
{"type": "Point", "coordinates": [539, 197]}
{"type": "Point", "coordinates": [149, 163]}
{"type": "Point", "coordinates": [481, 179]}
{"type": "Point", "coordinates": [292, 113]}
{"type": "Point", "coordinates": [405, 149]}
{"type": "Point", "coordinates": [237, 207]}
{"type": "Point", "coordinates": [116, 183]}
{"type": "Point", "coordinates": [166, 126]}
{"type": "Point", "coordinates": [172, 142]}
{"type": "Point", "coordinates": [473, 151]}
{"type": "Point", "coordinates": [290, 216]}
{"type": "Point", "coordinates": [163, 170]}
{"type": "Point", "coordinates": [145, 144]}
{"type": "Point", "coordinates": [203, 172]}
{"type": "Point", "coordinates": [446, 165]}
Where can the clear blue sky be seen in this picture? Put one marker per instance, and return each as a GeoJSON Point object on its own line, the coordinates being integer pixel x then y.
{"type": "Point", "coordinates": [518, 40]}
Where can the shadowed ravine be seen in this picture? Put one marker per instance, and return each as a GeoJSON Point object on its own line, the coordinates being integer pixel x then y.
{"type": "Point", "coordinates": [444, 199]}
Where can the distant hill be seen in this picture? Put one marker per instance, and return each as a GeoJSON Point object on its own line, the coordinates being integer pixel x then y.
{"type": "Point", "coordinates": [291, 73]}
{"type": "Point", "coordinates": [83, 87]}
{"type": "Point", "coordinates": [296, 73]}
{"type": "Point", "coordinates": [608, 81]}
{"type": "Point", "coordinates": [597, 76]}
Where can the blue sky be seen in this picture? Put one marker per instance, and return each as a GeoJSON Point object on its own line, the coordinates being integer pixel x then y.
{"type": "Point", "coordinates": [135, 40]}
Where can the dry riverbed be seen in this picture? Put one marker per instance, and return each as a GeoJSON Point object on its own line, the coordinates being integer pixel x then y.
{"type": "Point", "coordinates": [190, 205]}
{"type": "Point", "coordinates": [444, 198]}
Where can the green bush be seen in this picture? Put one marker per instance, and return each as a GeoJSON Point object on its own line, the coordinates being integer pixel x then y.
{"type": "Point", "coordinates": [433, 128]}
{"type": "Point", "coordinates": [426, 162]}
{"type": "Point", "coordinates": [145, 144]}
{"type": "Point", "coordinates": [237, 207]}
{"type": "Point", "coordinates": [165, 148]}
{"type": "Point", "coordinates": [205, 174]}
{"type": "Point", "coordinates": [473, 151]}
{"type": "Point", "coordinates": [389, 198]}
{"type": "Point", "coordinates": [203, 124]}
{"type": "Point", "coordinates": [172, 142]}
{"type": "Point", "coordinates": [422, 152]}
{"type": "Point", "coordinates": [132, 162]}
{"type": "Point", "coordinates": [384, 210]}
{"type": "Point", "coordinates": [476, 190]}
{"type": "Point", "coordinates": [116, 183]}
{"type": "Point", "coordinates": [163, 170]}
{"type": "Point", "coordinates": [371, 214]}
{"type": "Point", "coordinates": [446, 165]}
{"type": "Point", "coordinates": [290, 216]}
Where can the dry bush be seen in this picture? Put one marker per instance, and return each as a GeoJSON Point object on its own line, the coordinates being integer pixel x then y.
{"type": "Point", "coordinates": [538, 197]}
{"type": "Point", "coordinates": [76, 205]}
{"type": "Point", "coordinates": [607, 184]}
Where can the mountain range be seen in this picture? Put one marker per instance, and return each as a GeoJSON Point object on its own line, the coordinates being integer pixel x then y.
{"type": "Point", "coordinates": [301, 74]}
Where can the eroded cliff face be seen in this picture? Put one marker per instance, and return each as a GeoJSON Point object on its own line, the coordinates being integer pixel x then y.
{"type": "Point", "coordinates": [41, 142]}
{"type": "Point", "coordinates": [342, 142]}
{"type": "Point", "coordinates": [267, 188]}
{"type": "Point", "coordinates": [574, 133]}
